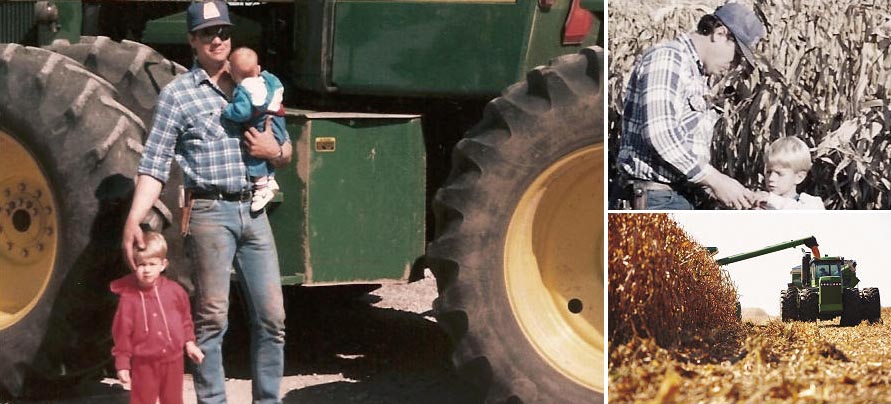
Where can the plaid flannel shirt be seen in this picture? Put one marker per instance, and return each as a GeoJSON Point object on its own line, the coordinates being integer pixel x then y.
{"type": "Point", "coordinates": [667, 125]}
{"type": "Point", "coordinates": [188, 124]}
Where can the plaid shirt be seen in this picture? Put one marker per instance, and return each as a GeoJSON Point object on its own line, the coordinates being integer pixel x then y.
{"type": "Point", "coordinates": [667, 125]}
{"type": "Point", "coordinates": [188, 124]}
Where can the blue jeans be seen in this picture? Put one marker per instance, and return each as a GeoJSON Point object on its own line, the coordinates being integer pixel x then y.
{"type": "Point", "coordinates": [224, 234]}
{"type": "Point", "coordinates": [667, 200]}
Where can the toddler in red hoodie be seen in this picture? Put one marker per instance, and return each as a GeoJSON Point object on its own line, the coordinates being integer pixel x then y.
{"type": "Point", "coordinates": [152, 326]}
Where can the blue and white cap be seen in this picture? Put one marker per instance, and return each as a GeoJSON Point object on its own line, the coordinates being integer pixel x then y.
{"type": "Point", "coordinates": [207, 14]}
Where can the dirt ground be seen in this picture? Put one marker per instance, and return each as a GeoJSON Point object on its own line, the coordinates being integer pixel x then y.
{"type": "Point", "coordinates": [380, 347]}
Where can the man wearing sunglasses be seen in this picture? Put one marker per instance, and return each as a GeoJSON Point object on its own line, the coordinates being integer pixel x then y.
{"type": "Point", "coordinates": [221, 231]}
{"type": "Point", "coordinates": [668, 120]}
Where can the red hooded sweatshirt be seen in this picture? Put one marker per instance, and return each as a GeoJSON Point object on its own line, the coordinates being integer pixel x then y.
{"type": "Point", "coordinates": [151, 324]}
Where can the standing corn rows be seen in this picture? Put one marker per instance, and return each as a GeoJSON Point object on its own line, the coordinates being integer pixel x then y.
{"type": "Point", "coordinates": [663, 284]}
{"type": "Point", "coordinates": [825, 76]}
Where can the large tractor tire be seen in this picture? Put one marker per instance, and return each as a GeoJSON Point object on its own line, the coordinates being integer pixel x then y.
{"type": "Point", "coordinates": [138, 73]}
{"type": "Point", "coordinates": [518, 247]}
{"type": "Point", "coordinates": [809, 308]}
{"type": "Point", "coordinates": [69, 153]}
{"type": "Point", "coordinates": [789, 304]}
{"type": "Point", "coordinates": [850, 307]}
{"type": "Point", "coordinates": [871, 305]}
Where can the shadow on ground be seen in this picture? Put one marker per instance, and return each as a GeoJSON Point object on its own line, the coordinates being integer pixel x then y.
{"type": "Point", "coordinates": [384, 355]}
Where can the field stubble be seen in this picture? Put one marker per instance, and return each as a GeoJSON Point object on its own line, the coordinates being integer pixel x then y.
{"type": "Point", "coordinates": [778, 362]}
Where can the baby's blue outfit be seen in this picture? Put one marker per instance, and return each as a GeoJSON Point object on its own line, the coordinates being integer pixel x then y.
{"type": "Point", "coordinates": [243, 110]}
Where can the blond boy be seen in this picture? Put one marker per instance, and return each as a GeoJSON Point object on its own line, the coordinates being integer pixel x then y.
{"type": "Point", "coordinates": [152, 327]}
{"type": "Point", "coordinates": [786, 163]}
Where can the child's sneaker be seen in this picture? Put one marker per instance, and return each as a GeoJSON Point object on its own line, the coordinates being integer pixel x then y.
{"type": "Point", "coordinates": [263, 195]}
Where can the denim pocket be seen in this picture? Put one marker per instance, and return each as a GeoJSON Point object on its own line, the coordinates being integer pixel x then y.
{"type": "Point", "coordinates": [203, 205]}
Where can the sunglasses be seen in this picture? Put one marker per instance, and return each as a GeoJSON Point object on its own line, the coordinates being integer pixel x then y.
{"type": "Point", "coordinates": [206, 35]}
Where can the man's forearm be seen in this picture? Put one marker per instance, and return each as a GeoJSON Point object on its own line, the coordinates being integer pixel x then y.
{"type": "Point", "coordinates": [148, 189]}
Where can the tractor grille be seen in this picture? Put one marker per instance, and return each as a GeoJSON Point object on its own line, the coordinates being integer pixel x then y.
{"type": "Point", "coordinates": [16, 19]}
{"type": "Point", "coordinates": [830, 294]}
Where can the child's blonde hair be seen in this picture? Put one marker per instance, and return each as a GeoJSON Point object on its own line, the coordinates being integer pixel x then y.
{"type": "Point", "coordinates": [155, 246]}
{"type": "Point", "coordinates": [790, 152]}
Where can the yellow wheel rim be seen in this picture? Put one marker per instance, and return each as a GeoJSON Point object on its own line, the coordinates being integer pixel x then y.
{"type": "Point", "coordinates": [554, 266]}
{"type": "Point", "coordinates": [28, 231]}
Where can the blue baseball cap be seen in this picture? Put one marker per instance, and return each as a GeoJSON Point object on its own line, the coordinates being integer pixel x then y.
{"type": "Point", "coordinates": [207, 14]}
{"type": "Point", "coordinates": [745, 26]}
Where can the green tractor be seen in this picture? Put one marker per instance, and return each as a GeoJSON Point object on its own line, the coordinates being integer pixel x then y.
{"type": "Point", "coordinates": [420, 142]}
{"type": "Point", "coordinates": [822, 287]}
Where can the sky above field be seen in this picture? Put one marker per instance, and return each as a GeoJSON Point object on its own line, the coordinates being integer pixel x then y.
{"type": "Point", "coordinates": [864, 236]}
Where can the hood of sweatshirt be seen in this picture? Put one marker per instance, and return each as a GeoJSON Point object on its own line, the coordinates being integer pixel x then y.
{"type": "Point", "coordinates": [129, 284]}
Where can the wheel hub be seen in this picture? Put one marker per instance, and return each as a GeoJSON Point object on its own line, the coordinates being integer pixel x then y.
{"type": "Point", "coordinates": [28, 238]}
{"type": "Point", "coordinates": [25, 220]}
{"type": "Point", "coordinates": [554, 266]}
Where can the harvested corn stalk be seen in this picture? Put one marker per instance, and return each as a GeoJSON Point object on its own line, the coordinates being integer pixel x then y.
{"type": "Point", "coordinates": [662, 284]}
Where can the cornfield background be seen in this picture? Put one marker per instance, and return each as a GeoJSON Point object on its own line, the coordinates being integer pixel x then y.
{"type": "Point", "coordinates": [824, 76]}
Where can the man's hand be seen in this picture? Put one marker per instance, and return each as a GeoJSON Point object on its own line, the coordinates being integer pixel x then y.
{"type": "Point", "coordinates": [761, 198]}
{"type": "Point", "coordinates": [147, 191]}
{"type": "Point", "coordinates": [262, 145]}
{"type": "Point", "coordinates": [132, 235]}
{"type": "Point", "coordinates": [727, 190]}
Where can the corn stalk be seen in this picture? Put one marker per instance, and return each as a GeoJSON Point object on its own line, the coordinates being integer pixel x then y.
{"type": "Point", "coordinates": [663, 284]}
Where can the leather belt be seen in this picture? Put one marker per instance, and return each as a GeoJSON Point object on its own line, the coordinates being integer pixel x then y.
{"type": "Point", "coordinates": [243, 196]}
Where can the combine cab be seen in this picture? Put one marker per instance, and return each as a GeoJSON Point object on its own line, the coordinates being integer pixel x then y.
{"type": "Point", "coordinates": [405, 159]}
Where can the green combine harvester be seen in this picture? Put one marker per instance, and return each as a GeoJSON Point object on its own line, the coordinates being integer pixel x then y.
{"type": "Point", "coordinates": [461, 136]}
{"type": "Point", "coordinates": [822, 287]}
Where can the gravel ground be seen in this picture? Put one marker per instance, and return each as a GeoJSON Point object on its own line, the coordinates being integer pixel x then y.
{"type": "Point", "coordinates": [382, 347]}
